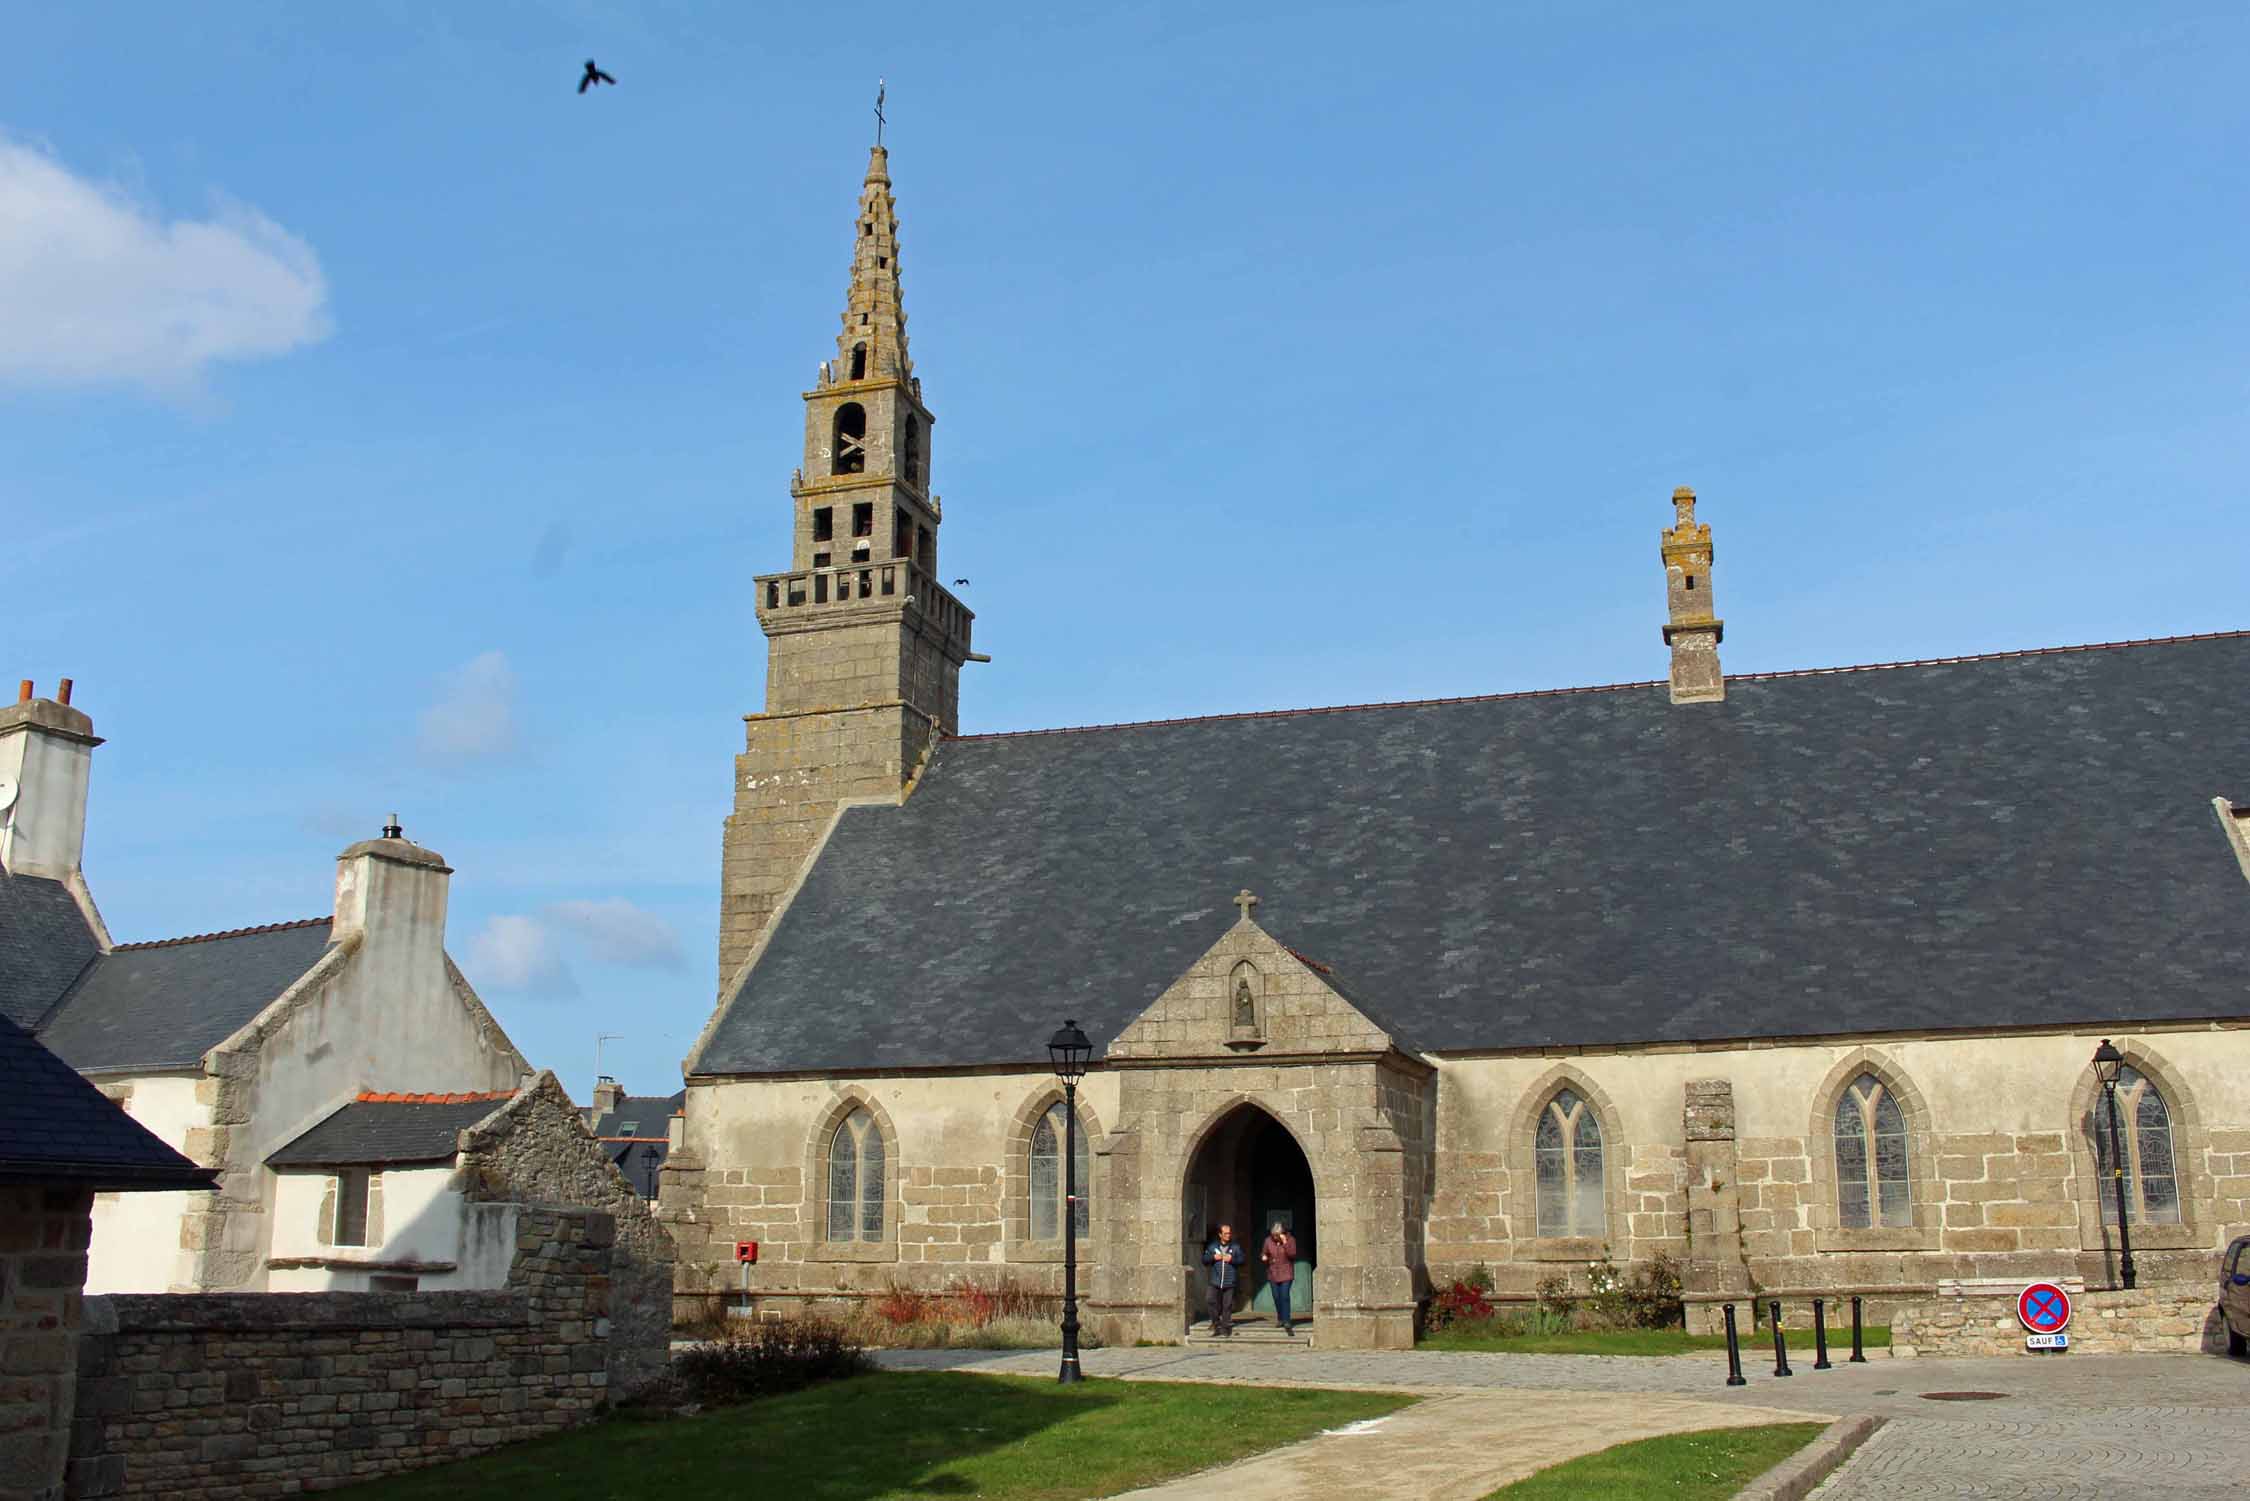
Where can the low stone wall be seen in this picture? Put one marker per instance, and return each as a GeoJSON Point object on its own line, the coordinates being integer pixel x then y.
{"type": "Point", "coordinates": [255, 1394]}
{"type": "Point", "coordinates": [2161, 1318]}
{"type": "Point", "coordinates": [44, 1232]}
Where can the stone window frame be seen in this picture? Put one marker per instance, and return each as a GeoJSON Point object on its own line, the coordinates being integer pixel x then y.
{"type": "Point", "coordinates": [1016, 1189]}
{"type": "Point", "coordinates": [2193, 1232]}
{"type": "Point", "coordinates": [1523, 1172]}
{"type": "Point", "coordinates": [819, 1246]}
{"type": "Point", "coordinates": [1925, 1193]}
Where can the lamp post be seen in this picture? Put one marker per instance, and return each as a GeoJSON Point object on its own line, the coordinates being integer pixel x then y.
{"type": "Point", "coordinates": [2108, 1063]}
{"type": "Point", "coordinates": [1070, 1051]}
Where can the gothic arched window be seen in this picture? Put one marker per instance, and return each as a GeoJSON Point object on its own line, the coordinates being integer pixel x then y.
{"type": "Point", "coordinates": [913, 470]}
{"type": "Point", "coordinates": [1566, 1153]}
{"type": "Point", "coordinates": [855, 1179]}
{"type": "Point", "coordinates": [1047, 1175]}
{"type": "Point", "coordinates": [1871, 1189]}
{"type": "Point", "coordinates": [2144, 1128]}
{"type": "Point", "coordinates": [849, 449]}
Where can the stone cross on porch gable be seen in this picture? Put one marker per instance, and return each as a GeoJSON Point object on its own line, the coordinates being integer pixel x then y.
{"type": "Point", "coordinates": [1245, 899]}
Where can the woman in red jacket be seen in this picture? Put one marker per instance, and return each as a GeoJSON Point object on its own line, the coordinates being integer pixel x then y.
{"type": "Point", "coordinates": [1280, 1256]}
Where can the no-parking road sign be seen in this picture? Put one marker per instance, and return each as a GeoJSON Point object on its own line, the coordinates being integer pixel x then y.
{"type": "Point", "coordinates": [2044, 1308]}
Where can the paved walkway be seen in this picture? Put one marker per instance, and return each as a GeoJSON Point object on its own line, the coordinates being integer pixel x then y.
{"type": "Point", "coordinates": [2173, 1426]}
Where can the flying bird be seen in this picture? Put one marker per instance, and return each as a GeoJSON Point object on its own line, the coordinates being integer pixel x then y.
{"type": "Point", "coordinates": [960, 583]}
{"type": "Point", "coordinates": [593, 76]}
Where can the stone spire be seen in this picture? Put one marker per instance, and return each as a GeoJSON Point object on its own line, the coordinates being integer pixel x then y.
{"type": "Point", "coordinates": [864, 645]}
{"type": "Point", "coordinates": [1694, 630]}
{"type": "Point", "coordinates": [873, 342]}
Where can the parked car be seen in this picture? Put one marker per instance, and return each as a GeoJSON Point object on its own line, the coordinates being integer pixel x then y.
{"type": "Point", "coordinates": [2234, 1295]}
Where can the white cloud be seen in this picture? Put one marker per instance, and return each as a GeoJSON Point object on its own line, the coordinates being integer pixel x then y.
{"type": "Point", "coordinates": [475, 712]}
{"type": "Point", "coordinates": [617, 932]}
{"type": "Point", "coordinates": [519, 953]}
{"type": "Point", "coordinates": [96, 289]}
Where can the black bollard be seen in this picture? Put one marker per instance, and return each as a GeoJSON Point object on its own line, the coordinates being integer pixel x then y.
{"type": "Point", "coordinates": [1819, 1336]}
{"type": "Point", "coordinates": [1734, 1352]}
{"type": "Point", "coordinates": [1857, 1355]}
{"type": "Point", "coordinates": [1780, 1350]}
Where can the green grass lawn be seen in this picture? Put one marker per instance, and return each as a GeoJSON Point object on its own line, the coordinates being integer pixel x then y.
{"type": "Point", "coordinates": [1650, 1342]}
{"type": "Point", "coordinates": [902, 1433]}
{"type": "Point", "coordinates": [1705, 1466]}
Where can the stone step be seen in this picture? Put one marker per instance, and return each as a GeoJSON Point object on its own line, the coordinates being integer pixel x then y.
{"type": "Point", "coordinates": [1253, 1332]}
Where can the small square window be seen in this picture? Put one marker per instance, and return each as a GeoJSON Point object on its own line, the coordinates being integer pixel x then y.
{"type": "Point", "coordinates": [863, 519]}
{"type": "Point", "coordinates": [627, 1128]}
{"type": "Point", "coordinates": [823, 523]}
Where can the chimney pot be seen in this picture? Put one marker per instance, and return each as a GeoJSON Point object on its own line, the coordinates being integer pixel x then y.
{"type": "Point", "coordinates": [62, 694]}
{"type": "Point", "coordinates": [392, 830]}
{"type": "Point", "coordinates": [23, 694]}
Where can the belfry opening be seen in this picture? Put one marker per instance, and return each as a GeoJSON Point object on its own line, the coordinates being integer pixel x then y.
{"type": "Point", "coordinates": [1250, 1173]}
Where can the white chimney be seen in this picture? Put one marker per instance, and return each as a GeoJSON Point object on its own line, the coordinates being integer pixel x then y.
{"type": "Point", "coordinates": [391, 892]}
{"type": "Point", "coordinates": [46, 756]}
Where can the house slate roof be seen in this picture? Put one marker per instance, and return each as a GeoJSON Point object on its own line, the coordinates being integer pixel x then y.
{"type": "Point", "coordinates": [164, 1005]}
{"type": "Point", "coordinates": [2010, 841]}
{"type": "Point", "coordinates": [56, 1127]}
{"type": "Point", "coordinates": [650, 1114]}
{"type": "Point", "coordinates": [45, 943]}
{"type": "Point", "coordinates": [377, 1129]}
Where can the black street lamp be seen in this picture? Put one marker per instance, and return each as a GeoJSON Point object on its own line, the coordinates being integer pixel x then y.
{"type": "Point", "coordinates": [2108, 1063]}
{"type": "Point", "coordinates": [1070, 1051]}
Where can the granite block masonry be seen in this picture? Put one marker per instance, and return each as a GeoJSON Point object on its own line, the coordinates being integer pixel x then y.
{"type": "Point", "coordinates": [229, 1395]}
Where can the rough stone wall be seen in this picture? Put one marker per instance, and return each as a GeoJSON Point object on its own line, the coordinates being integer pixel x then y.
{"type": "Point", "coordinates": [230, 1395]}
{"type": "Point", "coordinates": [44, 1232]}
{"type": "Point", "coordinates": [954, 1151]}
{"type": "Point", "coordinates": [2158, 1318]}
{"type": "Point", "coordinates": [538, 1151]}
{"type": "Point", "coordinates": [2001, 1179]}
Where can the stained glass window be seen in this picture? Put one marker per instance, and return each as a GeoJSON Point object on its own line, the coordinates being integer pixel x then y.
{"type": "Point", "coordinates": [855, 1179]}
{"type": "Point", "coordinates": [1871, 1175]}
{"type": "Point", "coordinates": [2152, 1183]}
{"type": "Point", "coordinates": [1566, 1155]}
{"type": "Point", "coordinates": [1047, 1176]}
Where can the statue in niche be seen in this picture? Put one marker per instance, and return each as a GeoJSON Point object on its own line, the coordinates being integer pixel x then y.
{"type": "Point", "coordinates": [1245, 1005]}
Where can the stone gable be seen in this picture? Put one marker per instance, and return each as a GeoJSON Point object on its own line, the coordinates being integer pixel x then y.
{"type": "Point", "coordinates": [1291, 1004]}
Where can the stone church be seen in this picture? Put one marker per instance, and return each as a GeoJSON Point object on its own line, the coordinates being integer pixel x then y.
{"type": "Point", "coordinates": [1795, 977]}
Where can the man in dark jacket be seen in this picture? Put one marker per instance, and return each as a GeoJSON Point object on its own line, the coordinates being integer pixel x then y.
{"type": "Point", "coordinates": [1224, 1258]}
{"type": "Point", "coordinates": [1280, 1256]}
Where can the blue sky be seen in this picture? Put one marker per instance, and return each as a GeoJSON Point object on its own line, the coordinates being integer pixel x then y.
{"type": "Point", "coordinates": [386, 426]}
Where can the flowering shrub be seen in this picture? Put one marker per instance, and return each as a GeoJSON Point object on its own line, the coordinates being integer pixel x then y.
{"type": "Point", "coordinates": [1462, 1303]}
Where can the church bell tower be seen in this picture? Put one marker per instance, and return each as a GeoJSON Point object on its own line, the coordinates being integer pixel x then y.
{"type": "Point", "coordinates": [863, 646]}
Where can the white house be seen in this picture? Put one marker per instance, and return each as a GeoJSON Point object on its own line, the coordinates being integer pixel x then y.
{"type": "Point", "coordinates": [230, 1045]}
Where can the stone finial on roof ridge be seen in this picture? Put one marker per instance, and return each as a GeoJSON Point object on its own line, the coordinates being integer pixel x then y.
{"type": "Point", "coordinates": [271, 927]}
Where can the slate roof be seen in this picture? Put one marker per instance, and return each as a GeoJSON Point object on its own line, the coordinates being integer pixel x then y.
{"type": "Point", "coordinates": [56, 1127]}
{"type": "Point", "coordinates": [648, 1113]}
{"type": "Point", "coordinates": [164, 1005]}
{"type": "Point", "coordinates": [377, 1129]}
{"type": "Point", "coordinates": [45, 943]}
{"type": "Point", "coordinates": [2017, 840]}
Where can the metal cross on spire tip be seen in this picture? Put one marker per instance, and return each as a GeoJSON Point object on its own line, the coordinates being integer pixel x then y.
{"type": "Point", "coordinates": [879, 112]}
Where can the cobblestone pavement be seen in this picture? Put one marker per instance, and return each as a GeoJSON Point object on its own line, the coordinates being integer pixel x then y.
{"type": "Point", "coordinates": [2176, 1426]}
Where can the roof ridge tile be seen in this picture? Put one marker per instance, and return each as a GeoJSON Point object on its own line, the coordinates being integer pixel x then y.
{"type": "Point", "coordinates": [271, 927]}
{"type": "Point", "coordinates": [457, 1097]}
{"type": "Point", "coordinates": [1493, 698]}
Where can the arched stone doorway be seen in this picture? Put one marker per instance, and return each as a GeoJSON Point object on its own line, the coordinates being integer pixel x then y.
{"type": "Point", "coordinates": [1249, 1172]}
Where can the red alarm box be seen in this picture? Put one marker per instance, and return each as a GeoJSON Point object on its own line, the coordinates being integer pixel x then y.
{"type": "Point", "coordinates": [746, 1250]}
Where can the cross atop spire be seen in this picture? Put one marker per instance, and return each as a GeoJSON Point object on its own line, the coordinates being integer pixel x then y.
{"type": "Point", "coordinates": [872, 345]}
{"type": "Point", "coordinates": [1245, 899]}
